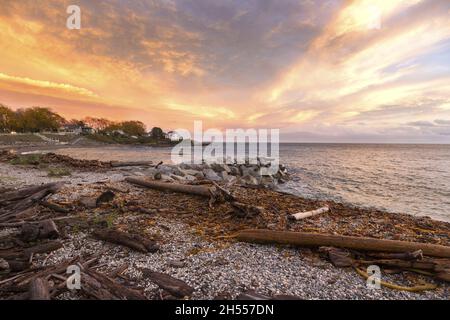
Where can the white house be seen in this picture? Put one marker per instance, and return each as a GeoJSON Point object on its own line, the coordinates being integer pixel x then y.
{"type": "Point", "coordinates": [173, 136]}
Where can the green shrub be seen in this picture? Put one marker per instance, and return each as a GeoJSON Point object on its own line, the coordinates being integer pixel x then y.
{"type": "Point", "coordinates": [58, 172]}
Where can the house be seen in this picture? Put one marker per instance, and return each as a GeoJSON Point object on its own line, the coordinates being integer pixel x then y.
{"type": "Point", "coordinates": [173, 136]}
{"type": "Point", "coordinates": [76, 129]}
{"type": "Point", "coordinates": [71, 128]}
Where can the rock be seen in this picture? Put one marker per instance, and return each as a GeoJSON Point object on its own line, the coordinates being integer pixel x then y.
{"type": "Point", "coordinates": [189, 178]}
{"type": "Point", "coordinates": [157, 176]}
{"type": "Point", "coordinates": [235, 171]}
{"type": "Point", "coordinates": [219, 167]}
{"type": "Point", "coordinates": [165, 177]}
{"type": "Point", "coordinates": [176, 264]}
{"type": "Point", "coordinates": [250, 171]}
{"type": "Point", "coordinates": [191, 172]}
{"type": "Point", "coordinates": [165, 169]}
{"type": "Point", "coordinates": [210, 174]}
{"type": "Point", "coordinates": [339, 257]}
{"type": "Point", "coordinates": [223, 175]}
{"type": "Point", "coordinates": [88, 202]}
{"type": "Point", "coordinates": [105, 197]}
{"type": "Point", "coordinates": [250, 180]}
{"type": "Point", "coordinates": [230, 179]}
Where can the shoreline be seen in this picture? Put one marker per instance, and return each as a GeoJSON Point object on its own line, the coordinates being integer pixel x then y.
{"type": "Point", "coordinates": [194, 244]}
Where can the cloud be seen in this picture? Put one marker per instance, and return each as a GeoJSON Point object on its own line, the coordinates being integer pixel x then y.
{"type": "Point", "coordinates": [304, 66]}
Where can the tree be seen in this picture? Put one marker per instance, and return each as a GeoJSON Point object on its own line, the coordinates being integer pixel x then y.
{"type": "Point", "coordinates": [37, 119]}
{"type": "Point", "coordinates": [7, 119]}
{"type": "Point", "coordinates": [157, 133]}
{"type": "Point", "coordinates": [133, 128]}
{"type": "Point", "coordinates": [99, 124]}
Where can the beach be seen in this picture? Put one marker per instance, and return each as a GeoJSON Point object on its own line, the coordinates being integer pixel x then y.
{"type": "Point", "coordinates": [196, 240]}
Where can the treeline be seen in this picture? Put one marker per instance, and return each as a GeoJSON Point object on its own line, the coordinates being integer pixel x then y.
{"type": "Point", "coordinates": [29, 120]}
{"type": "Point", "coordinates": [37, 119]}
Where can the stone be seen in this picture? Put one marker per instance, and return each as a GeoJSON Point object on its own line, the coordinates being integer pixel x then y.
{"type": "Point", "coordinates": [223, 175]}
{"type": "Point", "coordinates": [210, 174]}
{"type": "Point", "coordinates": [250, 180]}
{"type": "Point", "coordinates": [165, 177]}
{"type": "Point", "coordinates": [176, 264]}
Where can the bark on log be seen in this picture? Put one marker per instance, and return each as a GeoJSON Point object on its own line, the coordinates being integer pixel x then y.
{"type": "Point", "coordinates": [357, 243]}
{"type": "Point", "coordinates": [307, 214]}
{"type": "Point", "coordinates": [133, 241]}
{"type": "Point", "coordinates": [174, 286]}
{"type": "Point", "coordinates": [174, 187]}
{"type": "Point", "coordinates": [39, 289]}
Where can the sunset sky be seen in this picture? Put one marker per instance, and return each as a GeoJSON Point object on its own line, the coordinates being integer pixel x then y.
{"type": "Point", "coordinates": [321, 71]}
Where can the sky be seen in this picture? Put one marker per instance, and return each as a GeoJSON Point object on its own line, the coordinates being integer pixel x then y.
{"type": "Point", "coordinates": [320, 71]}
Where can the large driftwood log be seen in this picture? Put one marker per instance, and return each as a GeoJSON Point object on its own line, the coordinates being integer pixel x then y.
{"type": "Point", "coordinates": [304, 215]}
{"type": "Point", "coordinates": [133, 241]}
{"type": "Point", "coordinates": [174, 187]}
{"type": "Point", "coordinates": [357, 243]}
{"type": "Point", "coordinates": [172, 285]}
{"type": "Point", "coordinates": [39, 289]}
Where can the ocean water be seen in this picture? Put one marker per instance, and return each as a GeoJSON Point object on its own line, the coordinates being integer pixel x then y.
{"type": "Point", "coordinates": [412, 179]}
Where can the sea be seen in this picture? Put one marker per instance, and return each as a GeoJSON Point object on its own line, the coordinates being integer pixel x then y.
{"type": "Point", "coordinates": [401, 178]}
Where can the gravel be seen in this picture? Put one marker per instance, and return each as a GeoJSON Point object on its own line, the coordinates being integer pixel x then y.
{"type": "Point", "coordinates": [214, 268]}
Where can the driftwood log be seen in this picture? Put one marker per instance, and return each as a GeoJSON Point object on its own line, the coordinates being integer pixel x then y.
{"type": "Point", "coordinates": [133, 241]}
{"type": "Point", "coordinates": [39, 289]}
{"type": "Point", "coordinates": [307, 214]}
{"type": "Point", "coordinates": [46, 229]}
{"type": "Point", "coordinates": [174, 187]}
{"type": "Point", "coordinates": [18, 203]}
{"type": "Point", "coordinates": [27, 252]}
{"type": "Point", "coordinates": [357, 243]}
{"type": "Point", "coordinates": [175, 287]}
{"type": "Point", "coordinates": [102, 287]}
{"type": "Point", "coordinates": [116, 164]}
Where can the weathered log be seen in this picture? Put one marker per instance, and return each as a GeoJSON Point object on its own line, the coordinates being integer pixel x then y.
{"type": "Point", "coordinates": [39, 289]}
{"type": "Point", "coordinates": [175, 287]}
{"type": "Point", "coordinates": [307, 214]}
{"type": "Point", "coordinates": [116, 164]}
{"type": "Point", "coordinates": [18, 265]}
{"type": "Point", "coordinates": [55, 207]}
{"type": "Point", "coordinates": [26, 192]}
{"type": "Point", "coordinates": [415, 255]}
{"type": "Point", "coordinates": [103, 287]}
{"type": "Point", "coordinates": [357, 243]}
{"type": "Point", "coordinates": [426, 264]}
{"type": "Point", "coordinates": [43, 248]}
{"type": "Point", "coordinates": [174, 187]}
{"type": "Point", "coordinates": [133, 241]}
{"type": "Point", "coordinates": [46, 229]}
